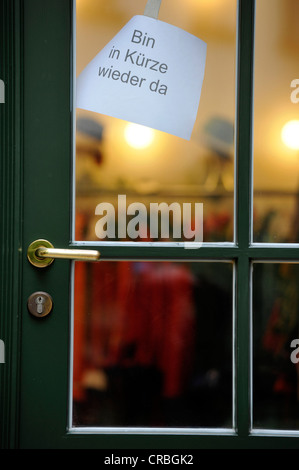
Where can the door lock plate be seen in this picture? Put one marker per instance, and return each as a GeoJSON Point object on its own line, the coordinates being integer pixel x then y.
{"type": "Point", "coordinates": [40, 304]}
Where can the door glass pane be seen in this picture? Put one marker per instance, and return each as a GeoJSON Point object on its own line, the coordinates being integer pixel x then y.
{"type": "Point", "coordinates": [166, 169]}
{"type": "Point", "coordinates": [276, 105]}
{"type": "Point", "coordinates": [275, 346]}
{"type": "Point", "coordinates": [153, 345]}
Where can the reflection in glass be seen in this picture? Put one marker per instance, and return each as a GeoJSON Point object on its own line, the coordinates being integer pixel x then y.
{"type": "Point", "coordinates": [276, 105]}
{"type": "Point", "coordinates": [275, 361]}
{"type": "Point", "coordinates": [153, 344]}
{"type": "Point", "coordinates": [113, 160]}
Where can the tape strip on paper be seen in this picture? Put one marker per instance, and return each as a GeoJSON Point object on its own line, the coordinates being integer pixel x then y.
{"type": "Point", "coordinates": [152, 8]}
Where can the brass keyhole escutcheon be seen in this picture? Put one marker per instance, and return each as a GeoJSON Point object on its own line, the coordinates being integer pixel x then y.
{"type": "Point", "coordinates": [40, 304]}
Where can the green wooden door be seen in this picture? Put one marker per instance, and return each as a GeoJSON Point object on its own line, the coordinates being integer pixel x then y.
{"type": "Point", "coordinates": [36, 177]}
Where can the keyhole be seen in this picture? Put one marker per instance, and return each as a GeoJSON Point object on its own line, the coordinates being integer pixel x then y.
{"type": "Point", "coordinates": [40, 304]}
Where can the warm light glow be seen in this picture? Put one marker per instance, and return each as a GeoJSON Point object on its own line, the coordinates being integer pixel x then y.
{"type": "Point", "coordinates": [290, 135]}
{"type": "Point", "coordinates": [138, 137]}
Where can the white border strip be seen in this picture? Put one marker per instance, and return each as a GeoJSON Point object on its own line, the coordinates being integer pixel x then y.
{"type": "Point", "coordinates": [154, 431]}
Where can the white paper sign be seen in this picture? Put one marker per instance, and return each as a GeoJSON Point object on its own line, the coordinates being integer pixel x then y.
{"type": "Point", "coordinates": [151, 73]}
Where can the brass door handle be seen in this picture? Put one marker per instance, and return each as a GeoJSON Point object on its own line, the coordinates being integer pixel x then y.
{"type": "Point", "coordinates": [41, 253]}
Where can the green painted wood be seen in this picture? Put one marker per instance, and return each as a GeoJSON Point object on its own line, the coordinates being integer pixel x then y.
{"type": "Point", "coordinates": [10, 219]}
{"type": "Point", "coordinates": [47, 212]}
{"type": "Point", "coordinates": [221, 251]}
{"type": "Point", "coordinates": [181, 442]}
{"type": "Point", "coordinates": [244, 196]}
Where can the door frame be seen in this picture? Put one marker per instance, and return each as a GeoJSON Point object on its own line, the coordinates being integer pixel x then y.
{"type": "Point", "coordinates": [31, 87]}
{"type": "Point", "coordinates": [11, 218]}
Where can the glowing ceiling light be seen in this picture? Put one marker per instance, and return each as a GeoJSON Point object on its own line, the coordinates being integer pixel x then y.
{"type": "Point", "coordinates": [290, 134]}
{"type": "Point", "coordinates": [138, 137]}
